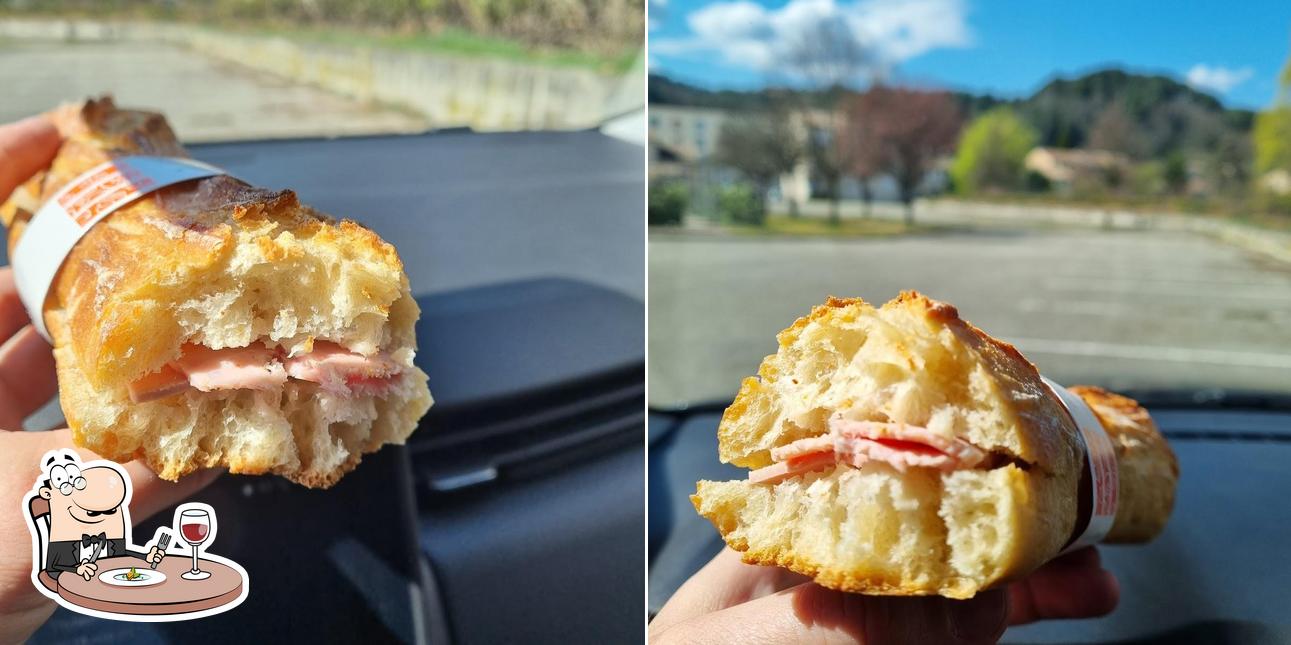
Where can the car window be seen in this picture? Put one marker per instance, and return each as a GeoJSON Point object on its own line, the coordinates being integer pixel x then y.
{"type": "Point", "coordinates": [1115, 205]}
{"type": "Point", "coordinates": [326, 69]}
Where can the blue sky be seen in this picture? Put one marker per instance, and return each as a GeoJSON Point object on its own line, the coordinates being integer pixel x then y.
{"type": "Point", "coordinates": [1010, 48]}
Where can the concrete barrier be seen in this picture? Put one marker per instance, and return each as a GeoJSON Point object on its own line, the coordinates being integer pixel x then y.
{"type": "Point", "coordinates": [450, 91]}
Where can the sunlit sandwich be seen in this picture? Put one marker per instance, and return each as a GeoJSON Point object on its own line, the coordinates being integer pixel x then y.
{"type": "Point", "coordinates": [902, 451]}
{"type": "Point", "coordinates": [214, 323]}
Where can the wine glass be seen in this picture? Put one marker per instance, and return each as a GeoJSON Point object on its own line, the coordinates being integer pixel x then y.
{"type": "Point", "coordinates": [195, 527]}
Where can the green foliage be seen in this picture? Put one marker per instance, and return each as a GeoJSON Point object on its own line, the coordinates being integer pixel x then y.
{"type": "Point", "coordinates": [991, 152]}
{"type": "Point", "coordinates": [1271, 138]}
{"type": "Point", "coordinates": [1175, 173]}
{"type": "Point", "coordinates": [601, 33]}
{"type": "Point", "coordinates": [1148, 179]}
{"type": "Point", "coordinates": [667, 203]}
{"type": "Point", "coordinates": [740, 204]}
{"type": "Point", "coordinates": [1035, 182]}
{"type": "Point", "coordinates": [1268, 202]}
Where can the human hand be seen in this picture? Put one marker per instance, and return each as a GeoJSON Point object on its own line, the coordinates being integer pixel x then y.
{"type": "Point", "coordinates": [86, 569]}
{"type": "Point", "coordinates": [27, 381]}
{"type": "Point", "coordinates": [154, 556]}
{"type": "Point", "coordinates": [731, 602]}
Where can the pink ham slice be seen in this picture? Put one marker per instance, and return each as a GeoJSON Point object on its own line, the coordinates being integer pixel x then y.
{"type": "Point", "coordinates": [254, 367]}
{"type": "Point", "coordinates": [859, 442]}
{"type": "Point", "coordinates": [962, 452]}
{"type": "Point", "coordinates": [339, 370]}
{"type": "Point", "coordinates": [166, 382]}
{"type": "Point", "coordinates": [780, 471]}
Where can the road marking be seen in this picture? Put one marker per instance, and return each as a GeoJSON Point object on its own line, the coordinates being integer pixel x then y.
{"type": "Point", "coordinates": [1212, 278]}
{"type": "Point", "coordinates": [1101, 286]}
{"type": "Point", "coordinates": [1154, 353]}
{"type": "Point", "coordinates": [1122, 309]}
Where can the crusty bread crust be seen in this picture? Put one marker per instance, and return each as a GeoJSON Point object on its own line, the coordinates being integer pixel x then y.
{"type": "Point", "coordinates": [1145, 464]}
{"type": "Point", "coordinates": [158, 250]}
{"type": "Point", "coordinates": [220, 263]}
{"type": "Point", "coordinates": [996, 523]}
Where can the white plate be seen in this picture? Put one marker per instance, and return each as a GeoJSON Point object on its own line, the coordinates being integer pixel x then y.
{"type": "Point", "coordinates": [116, 577]}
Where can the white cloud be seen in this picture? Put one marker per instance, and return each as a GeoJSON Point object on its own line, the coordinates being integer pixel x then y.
{"type": "Point", "coordinates": [1217, 79]}
{"type": "Point", "coordinates": [745, 34]}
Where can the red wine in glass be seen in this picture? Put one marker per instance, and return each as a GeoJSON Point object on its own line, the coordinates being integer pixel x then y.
{"type": "Point", "coordinates": [195, 527]}
{"type": "Point", "coordinates": [195, 533]}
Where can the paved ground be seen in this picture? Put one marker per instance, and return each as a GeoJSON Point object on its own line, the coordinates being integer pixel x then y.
{"type": "Point", "coordinates": [205, 100]}
{"type": "Point", "coordinates": [1122, 309]}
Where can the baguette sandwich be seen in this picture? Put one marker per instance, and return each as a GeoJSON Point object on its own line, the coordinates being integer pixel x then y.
{"type": "Point", "coordinates": [213, 323]}
{"type": "Point", "coordinates": [902, 451]}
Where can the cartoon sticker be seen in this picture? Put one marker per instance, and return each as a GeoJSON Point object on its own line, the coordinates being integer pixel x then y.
{"type": "Point", "coordinates": [83, 556]}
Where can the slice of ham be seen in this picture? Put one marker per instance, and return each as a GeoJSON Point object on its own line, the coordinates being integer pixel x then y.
{"type": "Point", "coordinates": [159, 385]}
{"type": "Point", "coordinates": [257, 367]}
{"type": "Point", "coordinates": [339, 370]}
{"type": "Point", "coordinates": [856, 443]}
{"type": "Point", "coordinates": [960, 451]}
{"type": "Point", "coordinates": [254, 367]}
{"type": "Point", "coordinates": [780, 471]}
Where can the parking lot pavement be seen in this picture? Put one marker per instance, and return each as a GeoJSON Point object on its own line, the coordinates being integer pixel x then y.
{"type": "Point", "coordinates": [204, 99]}
{"type": "Point", "coordinates": [1121, 309]}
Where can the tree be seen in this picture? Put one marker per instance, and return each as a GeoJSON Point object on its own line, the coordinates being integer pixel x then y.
{"type": "Point", "coordinates": [863, 154]}
{"type": "Point", "coordinates": [828, 55]}
{"type": "Point", "coordinates": [991, 152]}
{"type": "Point", "coordinates": [1175, 173]}
{"type": "Point", "coordinates": [910, 129]}
{"type": "Point", "coordinates": [761, 146]}
{"type": "Point", "coordinates": [1271, 138]}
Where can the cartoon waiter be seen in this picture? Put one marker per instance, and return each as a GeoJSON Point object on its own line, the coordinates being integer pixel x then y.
{"type": "Point", "coordinates": [88, 517]}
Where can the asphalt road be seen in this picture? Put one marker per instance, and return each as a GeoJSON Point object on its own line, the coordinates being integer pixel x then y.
{"type": "Point", "coordinates": [204, 99]}
{"type": "Point", "coordinates": [1140, 309]}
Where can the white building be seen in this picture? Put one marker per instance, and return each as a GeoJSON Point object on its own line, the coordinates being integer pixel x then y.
{"type": "Point", "coordinates": [689, 132]}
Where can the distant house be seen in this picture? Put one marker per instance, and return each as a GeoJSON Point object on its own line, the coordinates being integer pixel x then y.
{"type": "Point", "coordinates": [689, 133]}
{"type": "Point", "coordinates": [1065, 167]}
{"type": "Point", "coordinates": [1276, 181]}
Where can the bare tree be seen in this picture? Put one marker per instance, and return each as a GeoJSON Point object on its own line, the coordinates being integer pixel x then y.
{"type": "Point", "coordinates": [1114, 130]}
{"type": "Point", "coordinates": [862, 154]}
{"type": "Point", "coordinates": [761, 146]}
{"type": "Point", "coordinates": [908, 130]}
{"type": "Point", "coordinates": [830, 58]}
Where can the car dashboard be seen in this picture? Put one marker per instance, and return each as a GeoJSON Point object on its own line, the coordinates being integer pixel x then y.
{"type": "Point", "coordinates": [1216, 575]}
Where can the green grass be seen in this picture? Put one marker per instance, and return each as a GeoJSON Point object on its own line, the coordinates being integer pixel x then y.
{"type": "Point", "coordinates": [457, 42]}
{"type": "Point", "coordinates": [782, 225]}
{"type": "Point", "coordinates": [449, 40]}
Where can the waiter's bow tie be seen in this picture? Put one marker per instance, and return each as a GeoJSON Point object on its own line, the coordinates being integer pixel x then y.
{"type": "Point", "coordinates": [93, 540]}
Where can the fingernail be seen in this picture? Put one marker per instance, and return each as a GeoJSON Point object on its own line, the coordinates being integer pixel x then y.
{"type": "Point", "coordinates": [981, 619]}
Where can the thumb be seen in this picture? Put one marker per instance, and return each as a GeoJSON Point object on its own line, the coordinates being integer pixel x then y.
{"type": "Point", "coordinates": [811, 613]}
{"type": "Point", "coordinates": [151, 493]}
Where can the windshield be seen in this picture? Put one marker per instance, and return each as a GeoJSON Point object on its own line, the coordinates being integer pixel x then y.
{"type": "Point", "coordinates": [1113, 196]}
{"type": "Point", "coordinates": [326, 69]}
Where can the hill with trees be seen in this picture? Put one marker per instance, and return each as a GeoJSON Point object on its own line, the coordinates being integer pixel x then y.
{"type": "Point", "coordinates": [1144, 116]}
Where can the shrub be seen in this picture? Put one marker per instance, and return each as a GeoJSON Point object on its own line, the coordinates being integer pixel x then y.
{"type": "Point", "coordinates": [667, 204]}
{"type": "Point", "coordinates": [739, 204]}
{"type": "Point", "coordinates": [1036, 182]}
{"type": "Point", "coordinates": [992, 151]}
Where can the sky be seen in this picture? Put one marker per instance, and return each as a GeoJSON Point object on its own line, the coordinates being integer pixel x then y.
{"type": "Point", "coordinates": [1007, 48]}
